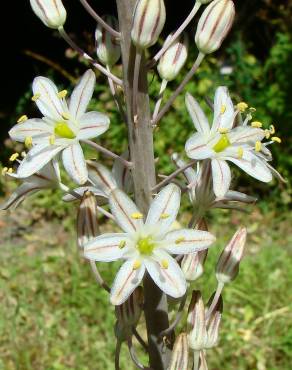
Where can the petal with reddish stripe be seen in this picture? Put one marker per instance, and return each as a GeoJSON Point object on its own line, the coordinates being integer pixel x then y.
{"type": "Point", "coordinates": [34, 128]}
{"type": "Point", "coordinates": [92, 124]}
{"type": "Point", "coordinates": [74, 163]}
{"type": "Point", "coordinates": [221, 177]}
{"type": "Point", "coordinates": [198, 116]}
{"type": "Point", "coordinates": [196, 147]}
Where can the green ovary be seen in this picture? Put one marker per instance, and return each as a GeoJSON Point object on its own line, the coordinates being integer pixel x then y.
{"type": "Point", "coordinates": [222, 144]}
{"type": "Point", "coordinates": [64, 131]}
{"type": "Point", "coordinates": [146, 246]}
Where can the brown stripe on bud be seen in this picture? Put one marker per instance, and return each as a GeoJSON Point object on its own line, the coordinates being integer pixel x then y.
{"type": "Point", "coordinates": [193, 265]}
{"type": "Point", "coordinates": [51, 12]}
{"type": "Point", "coordinates": [148, 22]}
{"type": "Point", "coordinates": [214, 322]}
{"type": "Point", "coordinates": [214, 25]}
{"type": "Point", "coordinates": [87, 222]}
{"type": "Point", "coordinates": [180, 353]}
{"type": "Point", "coordinates": [228, 264]}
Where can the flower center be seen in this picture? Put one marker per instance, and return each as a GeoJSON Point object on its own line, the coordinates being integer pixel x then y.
{"type": "Point", "coordinates": [222, 144]}
{"type": "Point", "coordinates": [63, 130]}
{"type": "Point", "coordinates": [146, 246]}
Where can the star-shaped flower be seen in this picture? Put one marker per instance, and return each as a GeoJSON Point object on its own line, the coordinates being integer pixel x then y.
{"type": "Point", "coordinates": [147, 245]}
{"type": "Point", "coordinates": [61, 129]}
{"type": "Point", "coordinates": [224, 142]}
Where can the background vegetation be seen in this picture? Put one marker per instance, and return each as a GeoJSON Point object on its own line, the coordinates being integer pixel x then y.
{"type": "Point", "coordinates": [52, 315]}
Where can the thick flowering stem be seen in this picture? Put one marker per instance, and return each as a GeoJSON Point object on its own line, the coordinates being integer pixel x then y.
{"type": "Point", "coordinates": [142, 156]}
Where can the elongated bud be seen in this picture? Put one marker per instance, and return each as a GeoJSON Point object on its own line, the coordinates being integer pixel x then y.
{"type": "Point", "coordinates": [228, 264]}
{"type": "Point", "coordinates": [174, 58]}
{"type": "Point", "coordinates": [51, 12]}
{"type": "Point", "coordinates": [196, 322]}
{"type": "Point", "coordinates": [214, 322]}
{"type": "Point", "coordinates": [214, 25]}
{"type": "Point", "coordinates": [87, 223]}
{"type": "Point", "coordinates": [180, 353]}
{"type": "Point", "coordinates": [108, 49]}
{"type": "Point", "coordinates": [148, 22]}
{"type": "Point", "coordinates": [193, 265]}
{"type": "Point", "coordinates": [128, 314]}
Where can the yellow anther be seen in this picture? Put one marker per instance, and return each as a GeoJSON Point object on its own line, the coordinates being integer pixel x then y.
{"type": "Point", "coordinates": [10, 170]}
{"type": "Point", "coordinates": [137, 216]}
{"type": "Point", "coordinates": [223, 109]}
{"type": "Point", "coordinates": [276, 139]}
{"type": "Point", "coordinates": [180, 240]}
{"type": "Point", "coordinates": [242, 106]}
{"type": "Point", "coordinates": [258, 146]}
{"type": "Point", "coordinates": [163, 216]}
{"type": "Point", "coordinates": [65, 115]}
{"type": "Point", "coordinates": [267, 134]}
{"type": "Point", "coordinates": [223, 130]}
{"type": "Point", "coordinates": [257, 124]}
{"type": "Point", "coordinates": [23, 154]}
{"type": "Point", "coordinates": [122, 244]}
{"type": "Point", "coordinates": [36, 97]}
{"type": "Point", "coordinates": [240, 152]}
{"type": "Point", "coordinates": [22, 119]}
{"type": "Point", "coordinates": [164, 264]}
{"type": "Point", "coordinates": [4, 171]}
{"type": "Point", "coordinates": [52, 139]}
{"type": "Point", "coordinates": [62, 94]}
{"type": "Point", "coordinates": [14, 157]}
{"type": "Point", "coordinates": [28, 142]}
{"type": "Point", "coordinates": [136, 265]}
{"type": "Point", "coordinates": [272, 129]}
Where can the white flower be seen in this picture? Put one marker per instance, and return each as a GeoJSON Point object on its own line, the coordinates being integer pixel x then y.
{"type": "Point", "coordinates": [147, 245]}
{"type": "Point", "coordinates": [51, 12]}
{"type": "Point", "coordinates": [224, 142]}
{"type": "Point", "coordinates": [61, 128]}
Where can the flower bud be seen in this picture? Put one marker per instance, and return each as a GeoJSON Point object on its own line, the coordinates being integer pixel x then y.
{"type": "Point", "coordinates": [196, 322]}
{"type": "Point", "coordinates": [108, 49]}
{"type": "Point", "coordinates": [214, 25]}
{"type": "Point", "coordinates": [193, 265]}
{"type": "Point", "coordinates": [51, 12]}
{"type": "Point", "coordinates": [148, 22]}
{"type": "Point", "coordinates": [214, 322]}
{"type": "Point", "coordinates": [128, 314]}
{"type": "Point", "coordinates": [204, 1]}
{"type": "Point", "coordinates": [180, 354]}
{"type": "Point", "coordinates": [228, 264]}
{"type": "Point", "coordinates": [87, 224]}
{"type": "Point", "coordinates": [174, 58]}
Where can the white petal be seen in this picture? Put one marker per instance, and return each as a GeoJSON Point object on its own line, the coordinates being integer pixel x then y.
{"type": "Point", "coordinates": [198, 116]}
{"type": "Point", "coordinates": [196, 147]}
{"type": "Point", "coordinates": [223, 110]}
{"type": "Point", "coordinates": [101, 177]}
{"type": "Point", "coordinates": [81, 190]}
{"type": "Point", "coordinates": [35, 128]}
{"type": "Point", "coordinates": [18, 196]}
{"type": "Point", "coordinates": [48, 102]}
{"type": "Point", "coordinates": [232, 195]}
{"type": "Point", "coordinates": [252, 165]}
{"type": "Point", "coordinates": [42, 154]}
{"type": "Point", "coordinates": [164, 208]}
{"type": "Point", "coordinates": [106, 247]}
{"type": "Point", "coordinates": [92, 124]}
{"type": "Point", "coordinates": [74, 163]}
{"type": "Point", "coordinates": [221, 177]}
{"type": "Point", "coordinates": [170, 280]}
{"type": "Point", "coordinates": [190, 173]}
{"type": "Point", "coordinates": [187, 241]}
{"type": "Point", "coordinates": [246, 134]}
{"type": "Point", "coordinates": [82, 94]}
{"type": "Point", "coordinates": [123, 209]}
{"type": "Point", "coordinates": [126, 280]}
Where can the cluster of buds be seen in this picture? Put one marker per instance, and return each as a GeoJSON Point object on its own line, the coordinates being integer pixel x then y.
{"type": "Point", "coordinates": [51, 12]}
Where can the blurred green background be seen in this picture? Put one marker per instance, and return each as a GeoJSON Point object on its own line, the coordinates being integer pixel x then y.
{"type": "Point", "coordinates": [52, 314]}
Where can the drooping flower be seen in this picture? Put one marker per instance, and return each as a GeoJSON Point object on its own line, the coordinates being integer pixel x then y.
{"type": "Point", "coordinates": [61, 129]}
{"type": "Point", "coordinates": [51, 12]}
{"type": "Point", "coordinates": [147, 245]}
{"type": "Point", "coordinates": [224, 141]}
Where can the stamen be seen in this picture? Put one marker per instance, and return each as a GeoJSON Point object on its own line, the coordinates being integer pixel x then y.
{"type": "Point", "coordinates": [164, 264]}
{"type": "Point", "coordinates": [4, 171]}
{"type": "Point", "coordinates": [137, 264]}
{"type": "Point", "coordinates": [23, 154]}
{"type": "Point", "coordinates": [223, 130]}
{"type": "Point", "coordinates": [36, 97]}
{"type": "Point", "coordinates": [276, 139]}
{"type": "Point", "coordinates": [267, 134]}
{"type": "Point", "coordinates": [122, 244]}
{"type": "Point", "coordinates": [223, 109]}
{"type": "Point", "coordinates": [240, 152]}
{"type": "Point", "coordinates": [180, 240]}
{"type": "Point", "coordinates": [163, 216]}
{"type": "Point", "coordinates": [10, 170]}
{"type": "Point", "coordinates": [65, 115]}
{"type": "Point", "coordinates": [272, 129]}
{"type": "Point", "coordinates": [137, 216]}
{"type": "Point", "coordinates": [242, 106]}
{"type": "Point", "coordinates": [13, 157]}
{"type": "Point", "coordinates": [22, 119]}
{"type": "Point", "coordinates": [257, 124]}
{"type": "Point", "coordinates": [258, 146]}
{"type": "Point", "coordinates": [28, 142]}
{"type": "Point", "coordinates": [62, 94]}
{"type": "Point", "coordinates": [52, 139]}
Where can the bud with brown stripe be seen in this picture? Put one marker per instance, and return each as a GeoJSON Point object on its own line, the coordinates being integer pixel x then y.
{"type": "Point", "coordinates": [148, 22]}
{"type": "Point", "coordinates": [193, 265]}
{"type": "Point", "coordinates": [214, 322]}
{"type": "Point", "coordinates": [108, 49]}
{"type": "Point", "coordinates": [87, 223]}
{"type": "Point", "coordinates": [228, 264]}
{"type": "Point", "coordinates": [51, 12]}
{"type": "Point", "coordinates": [214, 25]}
{"type": "Point", "coordinates": [180, 354]}
{"type": "Point", "coordinates": [174, 58]}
